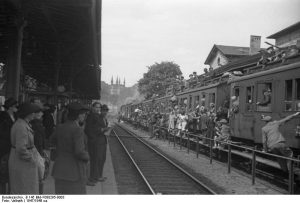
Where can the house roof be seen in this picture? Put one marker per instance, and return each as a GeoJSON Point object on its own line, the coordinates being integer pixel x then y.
{"type": "Point", "coordinates": [287, 30]}
{"type": "Point", "coordinates": [227, 51]}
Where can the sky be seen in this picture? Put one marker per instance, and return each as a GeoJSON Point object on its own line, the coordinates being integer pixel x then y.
{"type": "Point", "coordinates": [138, 33]}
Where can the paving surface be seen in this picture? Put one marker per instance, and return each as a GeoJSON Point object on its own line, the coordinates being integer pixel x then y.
{"type": "Point", "coordinates": [107, 187]}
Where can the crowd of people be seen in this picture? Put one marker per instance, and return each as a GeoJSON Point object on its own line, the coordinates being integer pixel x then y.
{"type": "Point", "coordinates": [76, 136]}
{"type": "Point", "coordinates": [179, 120]}
{"type": "Point", "coordinates": [212, 125]}
{"type": "Point", "coordinates": [180, 83]}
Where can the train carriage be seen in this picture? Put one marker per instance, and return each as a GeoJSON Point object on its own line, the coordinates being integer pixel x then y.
{"type": "Point", "coordinates": [216, 93]}
{"type": "Point", "coordinates": [274, 92]}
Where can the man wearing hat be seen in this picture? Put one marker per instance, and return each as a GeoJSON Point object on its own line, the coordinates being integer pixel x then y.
{"type": "Point", "coordinates": [105, 130]}
{"type": "Point", "coordinates": [93, 131]}
{"type": "Point", "coordinates": [274, 141]}
{"type": "Point", "coordinates": [71, 164]}
{"type": "Point", "coordinates": [7, 119]}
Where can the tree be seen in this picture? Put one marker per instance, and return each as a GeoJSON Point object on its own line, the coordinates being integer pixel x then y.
{"type": "Point", "coordinates": [158, 78]}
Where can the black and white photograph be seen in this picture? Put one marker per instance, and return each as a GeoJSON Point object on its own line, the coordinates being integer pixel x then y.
{"type": "Point", "coordinates": [184, 99]}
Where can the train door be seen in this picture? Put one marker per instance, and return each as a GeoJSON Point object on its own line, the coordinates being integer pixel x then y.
{"type": "Point", "coordinates": [234, 118]}
{"type": "Point", "coordinates": [212, 98]}
{"type": "Point", "coordinates": [264, 96]}
{"type": "Point", "coordinates": [250, 104]}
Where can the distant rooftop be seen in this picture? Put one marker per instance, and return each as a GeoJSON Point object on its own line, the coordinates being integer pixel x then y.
{"type": "Point", "coordinates": [287, 30]}
{"type": "Point", "coordinates": [227, 51]}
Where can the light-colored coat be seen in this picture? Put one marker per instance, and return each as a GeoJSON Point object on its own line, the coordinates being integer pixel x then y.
{"type": "Point", "coordinates": [23, 170]}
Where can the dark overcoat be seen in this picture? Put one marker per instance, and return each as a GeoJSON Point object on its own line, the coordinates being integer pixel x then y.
{"type": "Point", "coordinates": [5, 127]}
{"type": "Point", "coordinates": [72, 156]}
{"type": "Point", "coordinates": [97, 141]}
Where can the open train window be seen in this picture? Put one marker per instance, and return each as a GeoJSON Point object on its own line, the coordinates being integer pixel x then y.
{"type": "Point", "coordinates": [197, 101]}
{"type": "Point", "coordinates": [212, 98]}
{"type": "Point", "coordinates": [203, 99]}
{"type": "Point", "coordinates": [288, 98]}
{"type": "Point", "coordinates": [190, 102]}
{"type": "Point", "coordinates": [264, 97]}
{"type": "Point", "coordinates": [249, 98]}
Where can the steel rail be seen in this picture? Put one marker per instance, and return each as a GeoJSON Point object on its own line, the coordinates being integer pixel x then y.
{"type": "Point", "coordinates": [135, 164]}
{"type": "Point", "coordinates": [209, 190]}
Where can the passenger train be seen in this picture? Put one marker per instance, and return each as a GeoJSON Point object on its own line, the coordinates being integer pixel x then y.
{"type": "Point", "coordinates": [278, 80]}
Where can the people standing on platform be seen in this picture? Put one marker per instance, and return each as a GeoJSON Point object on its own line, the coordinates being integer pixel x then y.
{"type": "Point", "coordinates": [7, 119]}
{"type": "Point", "coordinates": [274, 141]}
{"type": "Point", "coordinates": [153, 121]}
{"type": "Point", "coordinates": [93, 131]}
{"type": "Point", "coordinates": [203, 123]}
{"type": "Point", "coordinates": [39, 136]}
{"type": "Point", "coordinates": [48, 119]}
{"type": "Point", "coordinates": [105, 131]}
{"type": "Point", "coordinates": [224, 133]}
{"type": "Point", "coordinates": [25, 163]}
{"type": "Point", "coordinates": [70, 169]}
{"type": "Point", "coordinates": [171, 124]}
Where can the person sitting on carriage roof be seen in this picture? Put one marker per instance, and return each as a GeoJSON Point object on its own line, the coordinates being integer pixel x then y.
{"type": "Point", "coordinates": [274, 141]}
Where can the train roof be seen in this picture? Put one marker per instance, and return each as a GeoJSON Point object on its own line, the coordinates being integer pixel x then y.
{"type": "Point", "coordinates": [275, 69]}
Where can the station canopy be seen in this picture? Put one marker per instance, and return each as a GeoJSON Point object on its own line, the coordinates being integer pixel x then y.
{"type": "Point", "coordinates": [61, 43]}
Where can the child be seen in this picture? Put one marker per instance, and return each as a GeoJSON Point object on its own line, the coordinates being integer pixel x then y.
{"type": "Point", "coordinates": [225, 132]}
{"type": "Point", "coordinates": [217, 134]}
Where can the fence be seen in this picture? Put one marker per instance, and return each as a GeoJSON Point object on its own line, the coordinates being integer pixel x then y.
{"type": "Point", "coordinates": [173, 135]}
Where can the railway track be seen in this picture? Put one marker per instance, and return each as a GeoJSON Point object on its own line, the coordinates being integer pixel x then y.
{"type": "Point", "coordinates": [160, 174]}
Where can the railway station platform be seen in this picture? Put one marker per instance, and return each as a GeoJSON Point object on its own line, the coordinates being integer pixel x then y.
{"type": "Point", "coordinates": [108, 187]}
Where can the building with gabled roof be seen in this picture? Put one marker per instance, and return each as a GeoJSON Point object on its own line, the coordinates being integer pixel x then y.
{"type": "Point", "coordinates": [221, 55]}
{"type": "Point", "coordinates": [288, 36]}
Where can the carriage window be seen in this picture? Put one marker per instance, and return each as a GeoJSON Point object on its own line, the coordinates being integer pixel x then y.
{"type": "Point", "coordinates": [212, 98]}
{"type": "Point", "coordinates": [183, 102]}
{"type": "Point", "coordinates": [249, 98]}
{"type": "Point", "coordinates": [197, 99]}
{"type": "Point", "coordinates": [288, 106]}
{"type": "Point", "coordinates": [203, 99]}
{"type": "Point", "coordinates": [264, 97]}
{"type": "Point", "coordinates": [190, 102]}
{"type": "Point", "coordinates": [298, 94]}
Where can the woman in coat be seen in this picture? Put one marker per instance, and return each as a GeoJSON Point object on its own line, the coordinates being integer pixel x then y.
{"type": "Point", "coordinates": [7, 119]}
{"type": "Point", "coordinates": [70, 167]}
{"type": "Point", "coordinates": [23, 162]}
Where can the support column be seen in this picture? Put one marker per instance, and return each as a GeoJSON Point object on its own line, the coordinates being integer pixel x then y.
{"type": "Point", "coordinates": [57, 71]}
{"type": "Point", "coordinates": [14, 60]}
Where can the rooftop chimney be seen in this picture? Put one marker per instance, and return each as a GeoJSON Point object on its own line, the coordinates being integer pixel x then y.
{"type": "Point", "coordinates": [254, 44]}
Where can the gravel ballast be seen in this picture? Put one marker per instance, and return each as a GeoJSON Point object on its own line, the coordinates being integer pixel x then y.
{"type": "Point", "coordinates": [214, 175]}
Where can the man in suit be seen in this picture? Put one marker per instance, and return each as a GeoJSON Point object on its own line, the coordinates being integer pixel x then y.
{"type": "Point", "coordinates": [102, 140]}
{"type": "Point", "coordinates": [7, 119]}
{"type": "Point", "coordinates": [93, 131]}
